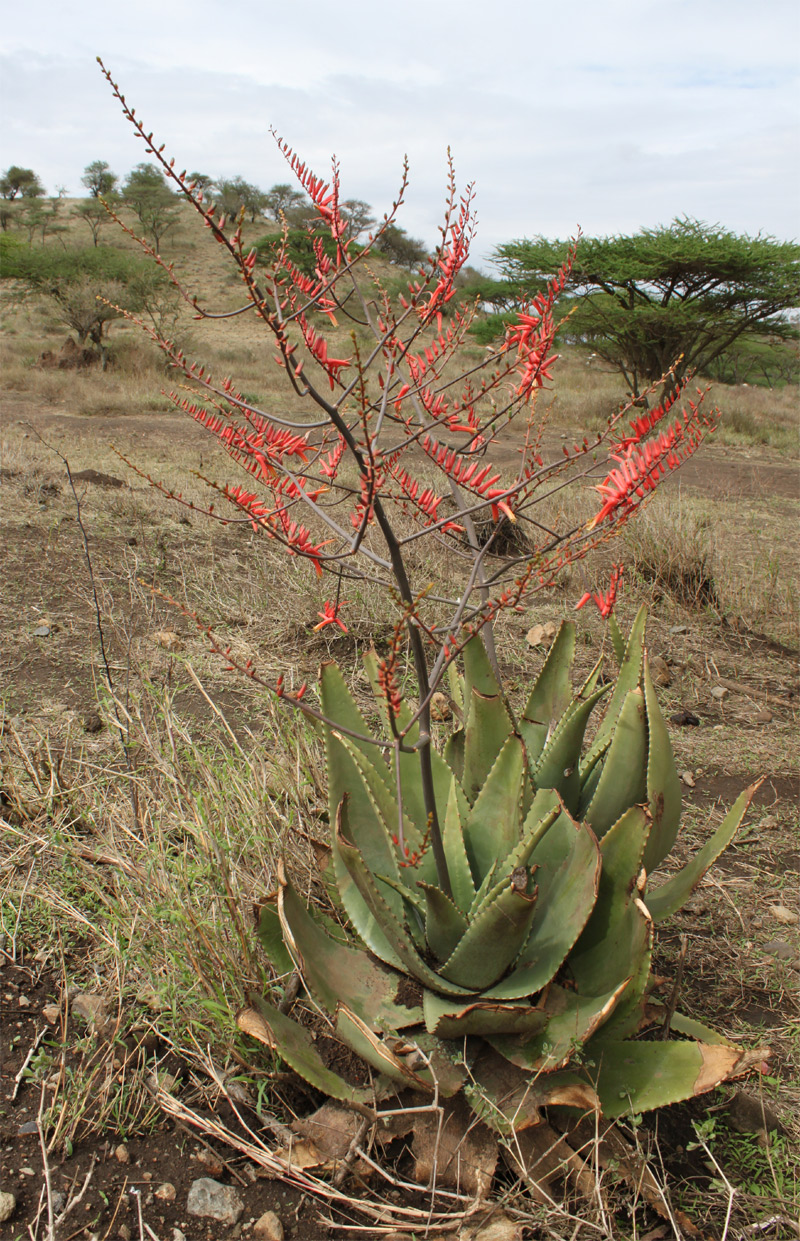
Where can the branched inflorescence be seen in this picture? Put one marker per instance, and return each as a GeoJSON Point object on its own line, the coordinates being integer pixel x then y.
{"type": "Point", "coordinates": [400, 434]}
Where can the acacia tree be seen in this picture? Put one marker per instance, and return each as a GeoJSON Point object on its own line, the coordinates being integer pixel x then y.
{"type": "Point", "coordinates": [99, 179]}
{"type": "Point", "coordinates": [148, 195]}
{"type": "Point", "coordinates": [234, 194]}
{"type": "Point", "coordinates": [20, 182]}
{"type": "Point", "coordinates": [686, 292]}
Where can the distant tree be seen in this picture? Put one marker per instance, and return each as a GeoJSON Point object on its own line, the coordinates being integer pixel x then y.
{"type": "Point", "coordinates": [99, 180]}
{"type": "Point", "coordinates": [299, 250]}
{"type": "Point", "coordinates": [687, 291]}
{"type": "Point", "coordinates": [94, 215]}
{"type": "Point", "coordinates": [235, 194]}
{"type": "Point", "coordinates": [20, 182]}
{"type": "Point", "coordinates": [89, 286]}
{"type": "Point", "coordinates": [396, 245]}
{"type": "Point", "coordinates": [284, 199]}
{"type": "Point", "coordinates": [155, 205]}
{"type": "Point", "coordinates": [358, 216]}
{"type": "Point", "coordinates": [201, 180]}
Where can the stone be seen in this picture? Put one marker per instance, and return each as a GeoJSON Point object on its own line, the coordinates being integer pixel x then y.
{"type": "Point", "coordinates": [210, 1200]}
{"type": "Point", "coordinates": [764, 716]}
{"type": "Point", "coordinates": [124, 1232]}
{"type": "Point", "coordinates": [747, 1114]}
{"type": "Point", "coordinates": [51, 1013]}
{"type": "Point", "coordinates": [91, 1007]}
{"type": "Point", "coordinates": [92, 723]}
{"type": "Point", "coordinates": [685, 719]}
{"type": "Point", "coordinates": [541, 635]}
{"type": "Point", "coordinates": [688, 779]}
{"type": "Point", "coordinates": [719, 692]}
{"type": "Point", "coordinates": [781, 949]}
{"type": "Point", "coordinates": [268, 1227]}
{"type": "Point", "coordinates": [168, 639]}
{"type": "Point", "coordinates": [8, 1205]}
{"type": "Point", "coordinates": [787, 917]}
{"type": "Point", "coordinates": [440, 708]}
{"type": "Point", "coordinates": [122, 1154]}
{"type": "Point", "coordinates": [41, 631]}
{"type": "Point", "coordinates": [166, 1192]}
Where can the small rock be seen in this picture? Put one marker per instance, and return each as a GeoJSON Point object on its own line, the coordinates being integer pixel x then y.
{"type": "Point", "coordinates": [23, 1001]}
{"type": "Point", "coordinates": [124, 1232]}
{"type": "Point", "coordinates": [122, 1154]}
{"type": "Point", "coordinates": [781, 949]}
{"type": "Point", "coordinates": [762, 717]}
{"type": "Point", "coordinates": [688, 779]}
{"type": "Point", "coordinates": [166, 1192]}
{"type": "Point", "coordinates": [8, 1205]}
{"type": "Point", "coordinates": [541, 635]}
{"type": "Point", "coordinates": [59, 1202]}
{"type": "Point", "coordinates": [210, 1162]}
{"type": "Point", "coordinates": [28, 1126]}
{"type": "Point", "coordinates": [659, 671]}
{"type": "Point", "coordinates": [498, 1228]}
{"type": "Point", "coordinates": [210, 1200]}
{"type": "Point", "coordinates": [676, 629]}
{"type": "Point", "coordinates": [787, 917]}
{"type": "Point", "coordinates": [719, 692]}
{"type": "Point", "coordinates": [168, 639]}
{"type": "Point", "coordinates": [440, 708]}
{"type": "Point", "coordinates": [41, 631]}
{"type": "Point", "coordinates": [92, 723]}
{"type": "Point", "coordinates": [177, 1235]}
{"type": "Point", "coordinates": [51, 1013]}
{"type": "Point", "coordinates": [268, 1227]}
{"type": "Point", "coordinates": [747, 1114]}
{"type": "Point", "coordinates": [685, 719]}
{"type": "Point", "coordinates": [91, 1007]}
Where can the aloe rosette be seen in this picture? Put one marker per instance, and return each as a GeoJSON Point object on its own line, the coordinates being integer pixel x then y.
{"type": "Point", "coordinates": [528, 982]}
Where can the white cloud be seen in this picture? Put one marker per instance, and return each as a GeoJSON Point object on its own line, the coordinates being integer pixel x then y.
{"type": "Point", "coordinates": [612, 116]}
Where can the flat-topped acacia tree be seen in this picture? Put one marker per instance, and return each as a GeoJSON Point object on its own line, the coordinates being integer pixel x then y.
{"type": "Point", "coordinates": [506, 877]}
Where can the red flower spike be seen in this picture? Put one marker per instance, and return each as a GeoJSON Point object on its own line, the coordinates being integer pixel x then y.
{"type": "Point", "coordinates": [330, 616]}
{"type": "Point", "coordinates": [604, 603]}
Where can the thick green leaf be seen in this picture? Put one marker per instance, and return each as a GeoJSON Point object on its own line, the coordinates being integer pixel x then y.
{"type": "Point", "coordinates": [569, 867]}
{"type": "Point", "coordinates": [382, 856]}
{"type": "Point", "coordinates": [623, 781]}
{"type": "Point", "coordinates": [621, 850]}
{"type": "Point", "coordinates": [632, 1077]}
{"type": "Point", "coordinates": [488, 728]}
{"type": "Point", "coordinates": [455, 682]}
{"type": "Point", "coordinates": [454, 753]}
{"type": "Point", "coordinates": [665, 900]}
{"type": "Point", "coordinates": [510, 1099]}
{"type": "Point", "coordinates": [478, 672]}
{"type": "Point", "coordinates": [630, 674]}
{"type": "Point", "coordinates": [332, 971]}
{"type": "Point", "coordinates": [350, 1029]}
{"type": "Point", "coordinates": [663, 783]}
{"type": "Point", "coordinates": [444, 922]}
{"type": "Point", "coordinates": [550, 695]}
{"type": "Point", "coordinates": [559, 763]}
{"type": "Point", "coordinates": [571, 1019]}
{"type": "Point", "coordinates": [618, 643]}
{"type": "Point", "coordinates": [394, 932]}
{"type": "Point", "coordinates": [269, 932]}
{"type": "Point", "coordinates": [295, 1046]}
{"type": "Point", "coordinates": [457, 1019]}
{"type": "Point", "coordinates": [492, 941]}
{"type": "Point", "coordinates": [591, 771]}
{"type": "Point", "coordinates": [457, 861]}
{"type": "Point", "coordinates": [492, 828]}
{"type": "Point", "coordinates": [339, 705]}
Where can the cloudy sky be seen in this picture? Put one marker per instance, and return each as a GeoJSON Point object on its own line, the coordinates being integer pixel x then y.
{"type": "Point", "coordinates": [608, 114]}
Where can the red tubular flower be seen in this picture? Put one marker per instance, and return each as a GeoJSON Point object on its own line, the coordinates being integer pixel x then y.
{"type": "Point", "coordinates": [604, 603]}
{"type": "Point", "coordinates": [330, 616]}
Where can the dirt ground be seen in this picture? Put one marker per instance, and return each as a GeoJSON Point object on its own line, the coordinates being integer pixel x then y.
{"type": "Point", "coordinates": [738, 684]}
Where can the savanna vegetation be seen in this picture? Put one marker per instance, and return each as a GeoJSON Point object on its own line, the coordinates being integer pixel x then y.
{"type": "Point", "coordinates": [420, 886]}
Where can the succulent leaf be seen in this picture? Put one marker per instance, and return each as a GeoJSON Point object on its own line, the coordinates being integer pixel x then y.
{"type": "Point", "coordinates": [458, 865]}
{"type": "Point", "coordinates": [551, 693]}
{"type": "Point", "coordinates": [492, 828]}
{"type": "Point", "coordinates": [478, 672]}
{"type": "Point", "coordinates": [630, 673]}
{"type": "Point", "coordinates": [571, 1019]}
{"type": "Point", "coordinates": [663, 783]}
{"type": "Point", "coordinates": [558, 766]}
{"type": "Point", "coordinates": [458, 1019]}
{"type": "Point", "coordinates": [667, 899]}
{"type": "Point", "coordinates": [358, 1036]}
{"type": "Point", "coordinates": [445, 924]}
{"type": "Point", "coordinates": [492, 940]}
{"type": "Point", "coordinates": [623, 781]}
{"type": "Point", "coordinates": [488, 728]}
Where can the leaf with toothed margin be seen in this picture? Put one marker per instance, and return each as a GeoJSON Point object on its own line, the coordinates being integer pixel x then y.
{"type": "Point", "coordinates": [294, 1045]}
{"type": "Point", "coordinates": [630, 673]}
{"type": "Point", "coordinates": [570, 1019]}
{"type": "Point", "coordinates": [357, 1035]}
{"type": "Point", "coordinates": [559, 763]}
{"type": "Point", "coordinates": [458, 865]}
{"type": "Point", "coordinates": [459, 1018]}
{"type": "Point", "coordinates": [663, 783]}
{"type": "Point", "coordinates": [331, 970]}
{"type": "Point", "coordinates": [492, 828]}
{"type": "Point", "coordinates": [623, 781]}
{"type": "Point", "coordinates": [393, 931]}
{"type": "Point", "coordinates": [492, 940]}
{"type": "Point", "coordinates": [478, 672]}
{"type": "Point", "coordinates": [444, 922]}
{"type": "Point", "coordinates": [665, 900]}
{"type": "Point", "coordinates": [551, 693]}
{"type": "Point", "coordinates": [488, 727]}
{"type": "Point", "coordinates": [618, 643]}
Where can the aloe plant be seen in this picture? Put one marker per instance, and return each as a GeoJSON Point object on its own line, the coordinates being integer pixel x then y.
{"type": "Point", "coordinates": [528, 981]}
